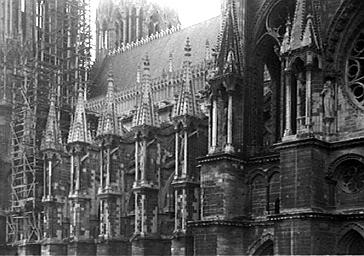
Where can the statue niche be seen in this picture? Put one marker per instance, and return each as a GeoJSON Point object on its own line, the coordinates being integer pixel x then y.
{"type": "Point", "coordinates": [328, 106]}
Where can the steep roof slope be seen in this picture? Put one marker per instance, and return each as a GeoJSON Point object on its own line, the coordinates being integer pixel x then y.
{"type": "Point", "coordinates": [125, 64]}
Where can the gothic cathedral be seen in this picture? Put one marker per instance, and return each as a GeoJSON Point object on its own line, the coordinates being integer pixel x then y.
{"type": "Point", "coordinates": [240, 135]}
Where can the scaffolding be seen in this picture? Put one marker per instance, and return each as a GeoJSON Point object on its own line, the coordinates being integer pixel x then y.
{"type": "Point", "coordinates": [54, 56]}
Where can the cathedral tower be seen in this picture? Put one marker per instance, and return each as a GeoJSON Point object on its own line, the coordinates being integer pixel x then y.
{"type": "Point", "coordinates": [122, 22]}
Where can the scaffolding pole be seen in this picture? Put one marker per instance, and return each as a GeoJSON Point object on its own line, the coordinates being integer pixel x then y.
{"type": "Point", "coordinates": [56, 54]}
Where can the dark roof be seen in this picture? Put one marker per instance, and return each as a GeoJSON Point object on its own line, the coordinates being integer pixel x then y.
{"type": "Point", "coordinates": [125, 64]}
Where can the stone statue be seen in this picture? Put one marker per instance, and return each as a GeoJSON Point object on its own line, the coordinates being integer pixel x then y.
{"type": "Point", "coordinates": [328, 99]}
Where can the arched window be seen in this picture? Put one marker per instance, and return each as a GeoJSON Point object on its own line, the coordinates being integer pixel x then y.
{"type": "Point", "coordinates": [133, 25]}
{"type": "Point", "coordinates": [150, 28]}
{"type": "Point", "coordinates": [265, 249]}
{"type": "Point", "coordinates": [267, 95]}
{"type": "Point", "coordinates": [117, 35]}
{"type": "Point", "coordinates": [355, 70]}
{"type": "Point", "coordinates": [348, 176]}
{"type": "Point", "coordinates": [352, 243]}
{"type": "Point", "coordinates": [274, 188]}
{"type": "Point", "coordinates": [258, 196]}
{"type": "Point", "coordinates": [298, 95]}
{"type": "Point", "coordinates": [157, 28]}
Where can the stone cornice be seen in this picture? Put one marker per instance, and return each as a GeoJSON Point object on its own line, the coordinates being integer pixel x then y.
{"type": "Point", "coordinates": [320, 143]}
{"type": "Point", "coordinates": [220, 157]}
{"type": "Point", "coordinates": [264, 159]}
{"type": "Point", "coordinates": [269, 220]}
{"type": "Point", "coordinates": [302, 143]}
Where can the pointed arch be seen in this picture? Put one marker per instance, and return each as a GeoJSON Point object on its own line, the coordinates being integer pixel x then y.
{"type": "Point", "coordinates": [166, 197]}
{"type": "Point", "coordinates": [274, 191]}
{"type": "Point", "coordinates": [268, 89]}
{"type": "Point", "coordinates": [130, 202]}
{"type": "Point", "coordinates": [258, 195]}
{"type": "Point", "coordinates": [262, 246]}
{"type": "Point", "coordinates": [351, 241]}
{"type": "Point", "coordinates": [254, 173]}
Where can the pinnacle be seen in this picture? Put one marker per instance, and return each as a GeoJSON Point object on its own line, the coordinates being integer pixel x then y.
{"type": "Point", "coordinates": [78, 131]}
{"type": "Point", "coordinates": [52, 138]}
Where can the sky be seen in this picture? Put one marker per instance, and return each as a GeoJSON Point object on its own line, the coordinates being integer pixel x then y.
{"type": "Point", "coordinates": [193, 11]}
{"type": "Point", "coordinates": [190, 11]}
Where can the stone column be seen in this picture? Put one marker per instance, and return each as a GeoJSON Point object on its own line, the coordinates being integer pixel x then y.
{"type": "Point", "coordinates": [108, 168]}
{"type": "Point", "coordinates": [214, 126]}
{"type": "Point", "coordinates": [101, 169]}
{"type": "Point", "coordinates": [144, 157]}
{"type": "Point", "coordinates": [137, 25]}
{"type": "Point", "coordinates": [185, 153]}
{"type": "Point", "coordinates": [72, 174]}
{"type": "Point", "coordinates": [136, 161]}
{"type": "Point", "coordinates": [125, 28]}
{"type": "Point", "coordinates": [130, 26]}
{"type": "Point", "coordinates": [309, 90]}
{"type": "Point", "coordinates": [49, 178]}
{"type": "Point", "coordinates": [177, 154]}
{"type": "Point", "coordinates": [229, 143]}
{"type": "Point", "coordinates": [288, 128]}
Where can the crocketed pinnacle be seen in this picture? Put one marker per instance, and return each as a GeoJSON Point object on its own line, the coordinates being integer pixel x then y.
{"type": "Point", "coordinates": [108, 122]}
{"type": "Point", "coordinates": [78, 131]}
{"type": "Point", "coordinates": [146, 114]}
{"type": "Point", "coordinates": [229, 50]}
{"type": "Point", "coordinates": [52, 136]}
{"type": "Point", "coordinates": [303, 31]}
{"type": "Point", "coordinates": [186, 104]}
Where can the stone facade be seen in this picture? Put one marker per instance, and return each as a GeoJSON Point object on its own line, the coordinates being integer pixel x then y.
{"type": "Point", "coordinates": [248, 141]}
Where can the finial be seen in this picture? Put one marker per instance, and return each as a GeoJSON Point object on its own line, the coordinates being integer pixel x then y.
{"type": "Point", "coordinates": [207, 50]}
{"type": "Point", "coordinates": [188, 47]}
{"type": "Point", "coordinates": [138, 74]}
{"type": "Point", "coordinates": [170, 63]}
{"type": "Point", "coordinates": [186, 104]}
{"type": "Point", "coordinates": [52, 138]}
{"type": "Point", "coordinates": [145, 114]}
{"type": "Point", "coordinates": [146, 62]}
{"type": "Point", "coordinates": [78, 130]}
{"type": "Point", "coordinates": [110, 75]}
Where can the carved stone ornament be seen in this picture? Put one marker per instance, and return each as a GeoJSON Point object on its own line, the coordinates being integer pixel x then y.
{"type": "Point", "coordinates": [351, 176]}
{"type": "Point", "coordinates": [355, 71]}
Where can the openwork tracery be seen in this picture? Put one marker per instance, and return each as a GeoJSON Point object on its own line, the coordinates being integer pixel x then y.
{"type": "Point", "coordinates": [355, 70]}
{"type": "Point", "coordinates": [351, 176]}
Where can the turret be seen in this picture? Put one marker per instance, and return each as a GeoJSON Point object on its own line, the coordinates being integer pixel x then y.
{"type": "Point", "coordinates": [189, 142]}
{"type": "Point", "coordinates": [301, 55]}
{"type": "Point", "coordinates": [226, 89]}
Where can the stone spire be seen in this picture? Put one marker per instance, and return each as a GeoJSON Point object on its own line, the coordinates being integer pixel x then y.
{"type": "Point", "coordinates": [229, 52]}
{"type": "Point", "coordinates": [52, 136]}
{"type": "Point", "coordinates": [207, 51]}
{"type": "Point", "coordinates": [309, 35]}
{"type": "Point", "coordinates": [304, 30]}
{"type": "Point", "coordinates": [78, 130]}
{"type": "Point", "coordinates": [108, 123]}
{"type": "Point", "coordinates": [186, 104]}
{"type": "Point", "coordinates": [298, 24]}
{"type": "Point", "coordinates": [145, 114]}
